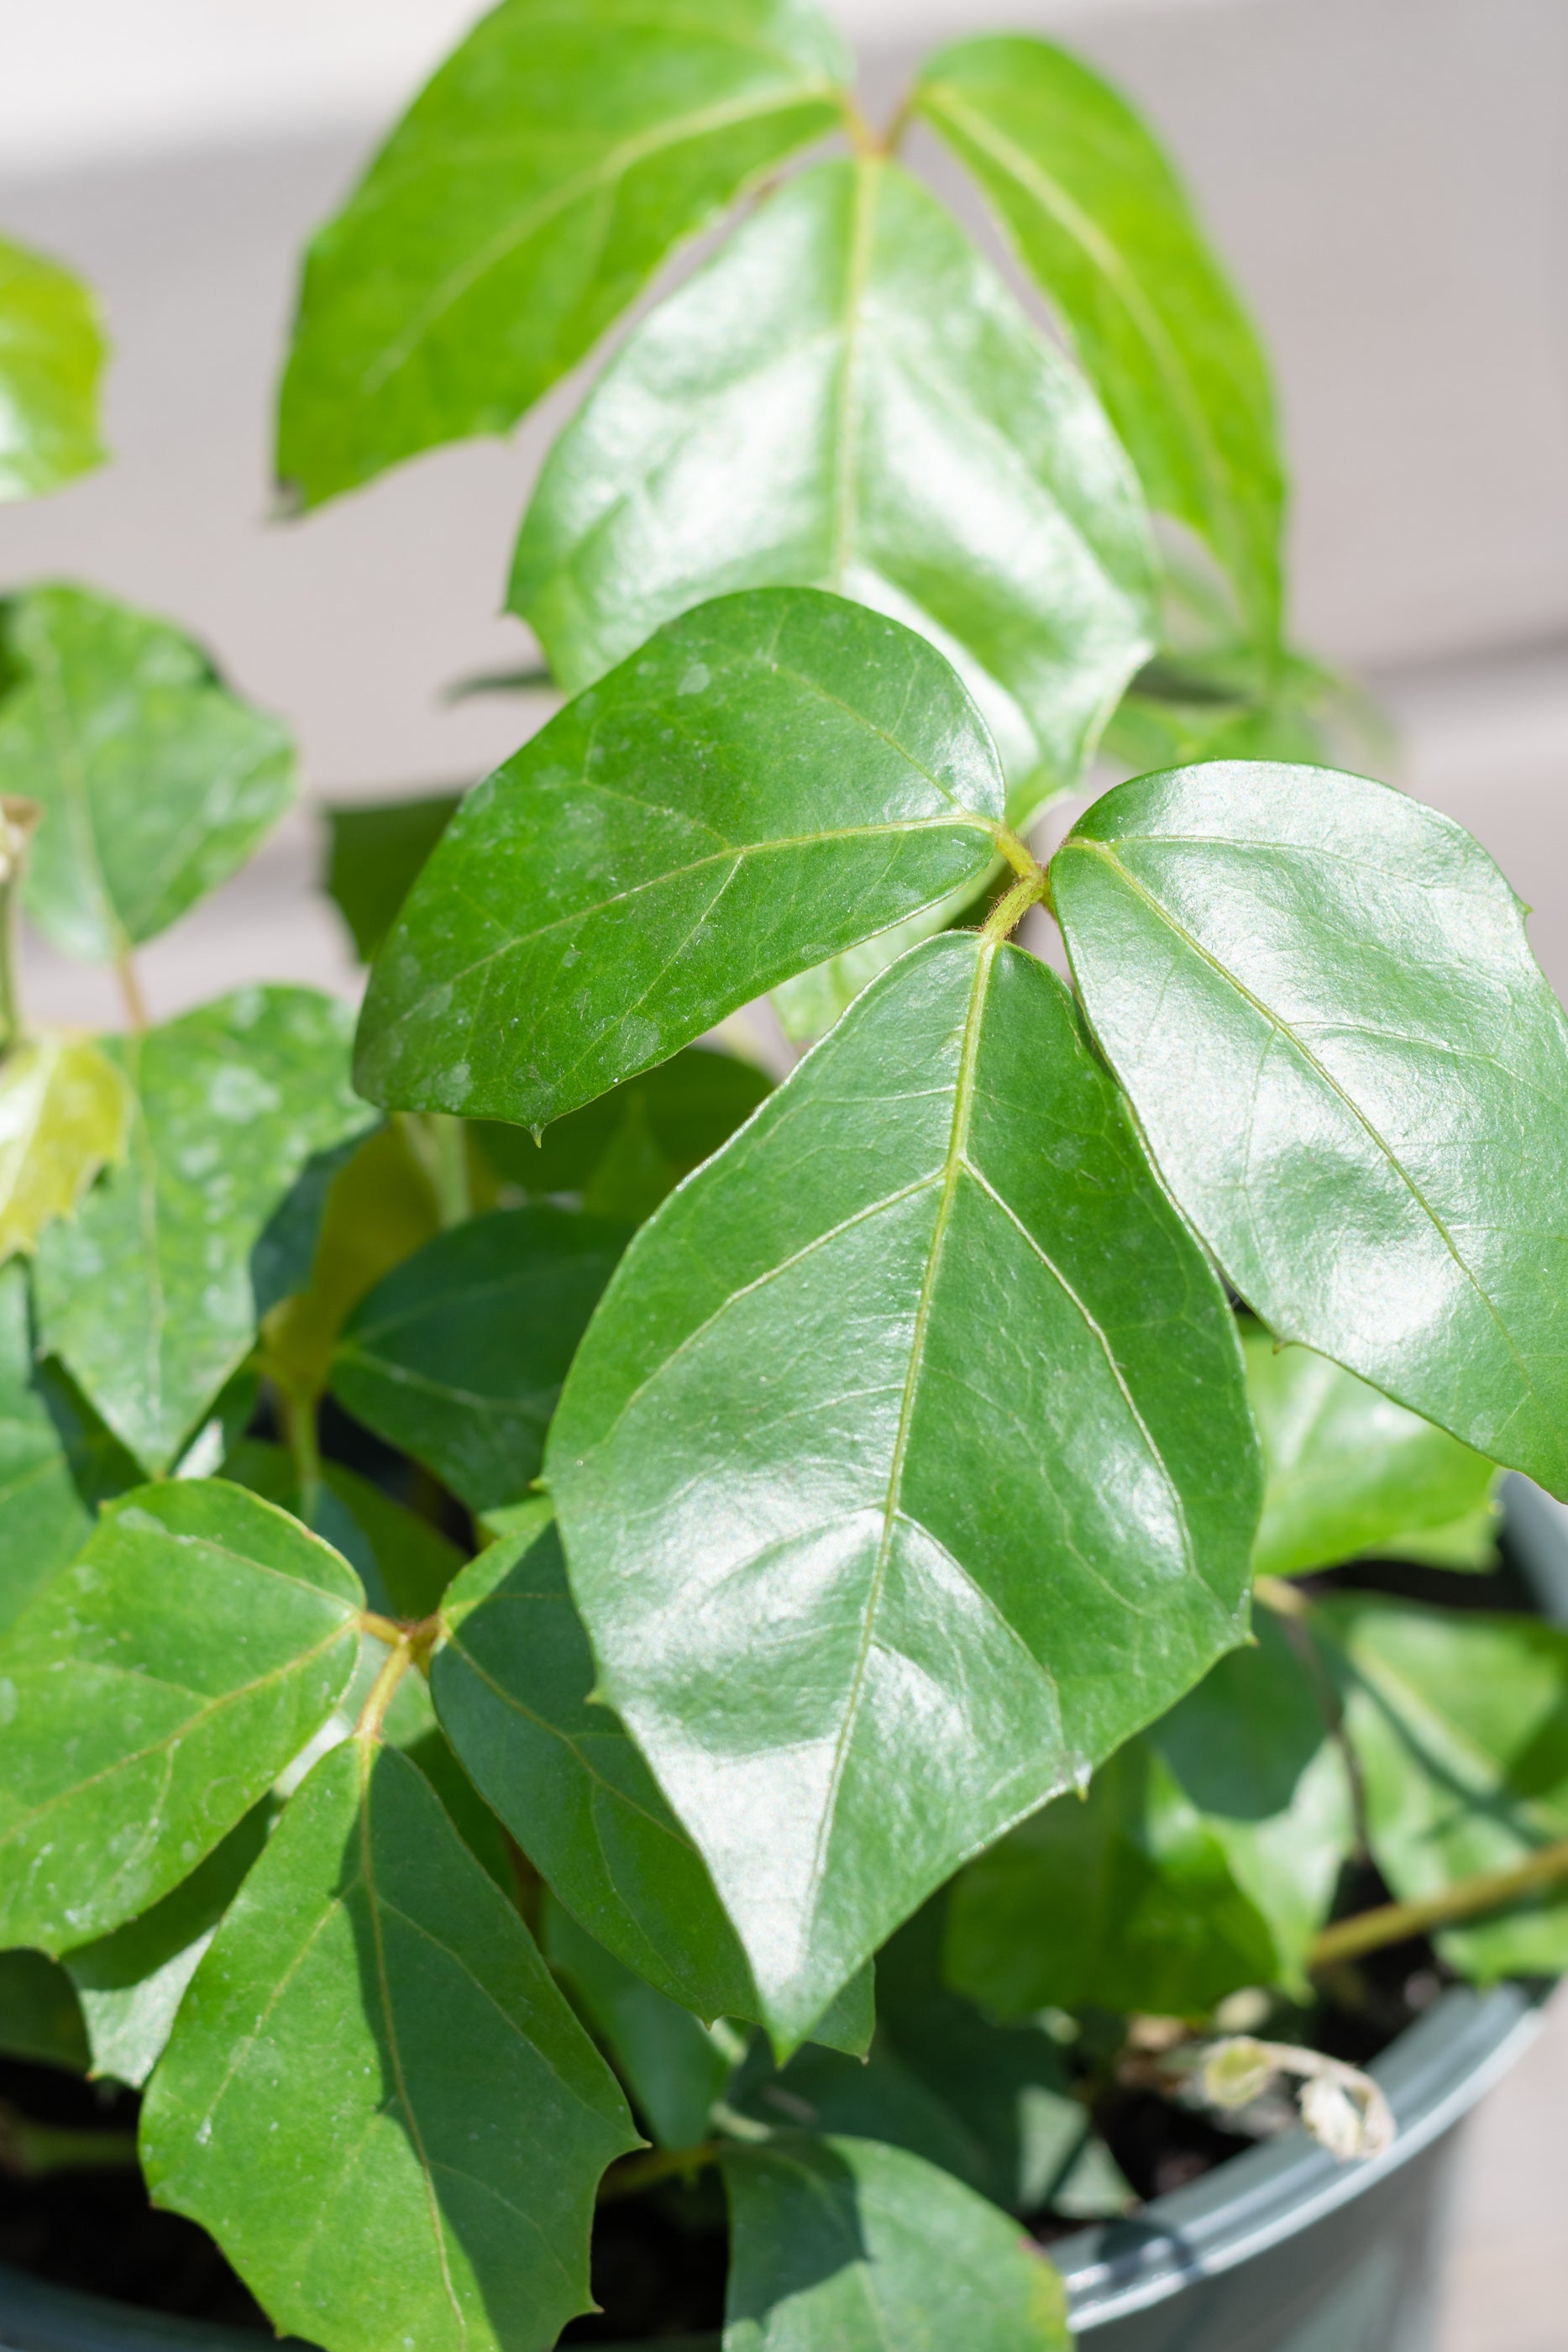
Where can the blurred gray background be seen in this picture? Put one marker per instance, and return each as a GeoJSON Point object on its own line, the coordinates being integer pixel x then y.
{"type": "Point", "coordinates": [1389, 181]}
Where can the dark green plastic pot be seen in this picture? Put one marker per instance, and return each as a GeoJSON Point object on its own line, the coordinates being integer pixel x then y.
{"type": "Point", "coordinates": [1282, 2249]}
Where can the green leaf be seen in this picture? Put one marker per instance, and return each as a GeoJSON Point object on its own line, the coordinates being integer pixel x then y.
{"type": "Point", "coordinates": [428, 2116]}
{"type": "Point", "coordinates": [624, 1152]}
{"type": "Point", "coordinates": [1104, 225]}
{"type": "Point", "coordinates": [673, 2065]}
{"type": "Point", "coordinates": [875, 2098]}
{"type": "Point", "coordinates": [1125, 1900]}
{"type": "Point", "coordinates": [457, 1356]}
{"type": "Point", "coordinates": [52, 350]}
{"type": "Point", "coordinates": [405, 1564]}
{"type": "Point", "coordinates": [906, 1467]}
{"type": "Point", "coordinates": [1005, 2083]}
{"type": "Point", "coordinates": [155, 782]}
{"type": "Point", "coordinates": [64, 1112]}
{"type": "Point", "coordinates": [40, 2017]}
{"type": "Point", "coordinates": [847, 396]}
{"type": "Point", "coordinates": [525, 199]}
{"type": "Point", "coordinates": [375, 854]}
{"type": "Point", "coordinates": [129, 1984]}
{"type": "Point", "coordinates": [151, 1692]}
{"type": "Point", "coordinates": [840, 2245]}
{"type": "Point", "coordinates": [1348, 1471]}
{"type": "Point", "coordinates": [147, 1295]}
{"type": "Point", "coordinates": [771, 777]}
{"type": "Point", "coordinates": [1250, 1749]}
{"type": "Point", "coordinates": [1460, 1723]}
{"type": "Point", "coordinates": [513, 1684]}
{"type": "Point", "coordinates": [58, 1462]}
{"type": "Point", "coordinates": [1352, 1074]}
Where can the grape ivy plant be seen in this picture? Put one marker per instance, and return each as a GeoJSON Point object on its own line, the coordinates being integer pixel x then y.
{"type": "Point", "coordinates": [576, 1623]}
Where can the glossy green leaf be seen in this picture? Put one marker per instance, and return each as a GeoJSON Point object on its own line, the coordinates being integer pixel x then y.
{"type": "Point", "coordinates": [848, 396]}
{"type": "Point", "coordinates": [1459, 1724]}
{"type": "Point", "coordinates": [405, 1564]}
{"type": "Point", "coordinates": [457, 1356]}
{"type": "Point", "coordinates": [51, 353]}
{"type": "Point", "coordinates": [40, 2017]}
{"type": "Point", "coordinates": [1348, 1471]}
{"type": "Point", "coordinates": [151, 1692]}
{"type": "Point", "coordinates": [64, 1112]}
{"type": "Point", "coordinates": [840, 2245]}
{"type": "Point", "coordinates": [1124, 1900]}
{"type": "Point", "coordinates": [1006, 2083]}
{"type": "Point", "coordinates": [773, 777]}
{"type": "Point", "coordinates": [429, 2118]}
{"type": "Point", "coordinates": [58, 1462]}
{"type": "Point", "coordinates": [673, 2065]}
{"type": "Point", "coordinates": [1104, 225]}
{"type": "Point", "coordinates": [130, 1983]}
{"type": "Point", "coordinates": [374, 856]}
{"type": "Point", "coordinates": [524, 200]}
{"type": "Point", "coordinates": [624, 1152]}
{"type": "Point", "coordinates": [512, 1684]}
{"type": "Point", "coordinates": [155, 782]}
{"type": "Point", "coordinates": [875, 2098]}
{"type": "Point", "coordinates": [1352, 1074]}
{"type": "Point", "coordinates": [147, 1295]}
{"type": "Point", "coordinates": [905, 1468]}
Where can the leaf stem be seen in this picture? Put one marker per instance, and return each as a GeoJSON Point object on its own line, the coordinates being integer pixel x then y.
{"type": "Point", "coordinates": [130, 989]}
{"type": "Point", "coordinates": [862, 137]}
{"type": "Point", "coordinates": [17, 819]}
{"type": "Point", "coordinates": [1395, 1923]}
{"type": "Point", "coordinates": [30, 2151]}
{"type": "Point", "coordinates": [301, 1429]}
{"type": "Point", "coordinates": [636, 2172]}
{"type": "Point", "coordinates": [1014, 903]}
{"type": "Point", "coordinates": [440, 1142]}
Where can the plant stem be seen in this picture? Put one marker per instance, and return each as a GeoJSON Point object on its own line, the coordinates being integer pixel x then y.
{"type": "Point", "coordinates": [1011, 908]}
{"type": "Point", "coordinates": [130, 989]}
{"type": "Point", "coordinates": [301, 1429]}
{"type": "Point", "coordinates": [636, 2172]}
{"type": "Point", "coordinates": [1394, 1923]}
{"type": "Point", "coordinates": [440, 1142]}
{"type": "Point", "coordinates": [17, 819]}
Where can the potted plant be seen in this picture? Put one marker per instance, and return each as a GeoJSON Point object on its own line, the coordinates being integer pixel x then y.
{"type": "Point", "coordinates": [581, 1626]}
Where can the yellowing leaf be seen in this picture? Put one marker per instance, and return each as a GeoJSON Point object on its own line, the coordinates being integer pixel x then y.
{"type": "Point", "coordinates": [64, 1114]}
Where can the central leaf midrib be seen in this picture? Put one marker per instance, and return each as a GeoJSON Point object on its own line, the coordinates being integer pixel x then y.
{"type": "Point", "coordinates": [951, 1172]}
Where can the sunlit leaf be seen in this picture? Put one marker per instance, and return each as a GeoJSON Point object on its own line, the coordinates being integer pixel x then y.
{"type": "Point", "coordinates": [151, 1692]}
{"type": "Point", "coordinates": [64, 1112]}
{"type": "Point", "coordinates": [905, 1468]}
{"type": "Point", "coordinates": [771, 777]}
{"type": "Point", "coordinates": [155, 782]}
{"type": "Point", "coordinates": [51, 354]}
{"type": "Point", "coordinates": [1352, 1074]}
{"type": "Point", "coordinates": [1101, 222]}
{"type": "Point", "coordinates": [524, 200]}
{"type": "Point", "coordinates": [848, 396]}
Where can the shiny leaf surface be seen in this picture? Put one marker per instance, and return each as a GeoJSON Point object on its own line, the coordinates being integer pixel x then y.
{"type": "Point", "coordinates": [848, 397]}
{"type": "Point", "coordinates": [156, 784]}
{"type": "Point", "coordinates": [405, 1564]}
{"type": "Point", "coordinates": [58, 1462]}
{"type": "Point", "coordinates": [772, 777]}
{"type": "Point", "coordinates": [905, 1468]}
{"type": "Point", "coordinates": [524, 200]}
{"type": "Point", "coordinates": [1104, 225]}
{"type": "Point", "coordinates": [457, 1356]}
{"type": "Point", "coordinates": [151, 1692]}
{"type": "Point", "coordinates": [1348, 1471]}
{"type": "Point", "coordinates": [1352, 1074]}
{"type": "Point", "coordinates": [64, 1112]}
{"type": "Point", "coordinates": [147, 1295]}
{"type": "Point", "coordinates": [1460, 1725]}
{"type": "Point", "coordinates": [51, 353]}
{"type": "Point", "coordinates": [841, 2245]}
{"type": "Point", "coordinates": [429, 2116]}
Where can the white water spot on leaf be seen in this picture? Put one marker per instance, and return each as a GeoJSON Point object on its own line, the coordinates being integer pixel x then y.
{"type": "Point", "coordinates": [7, 1700]}
{"type": "Point", "coordinates": [697, 678]}
{"type": "Point", "coordinates": [455, 1085]}
{"type": "Point", "coordinates": [239, 1095]}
